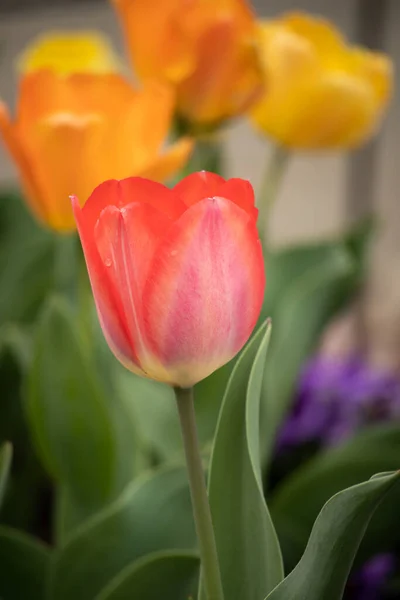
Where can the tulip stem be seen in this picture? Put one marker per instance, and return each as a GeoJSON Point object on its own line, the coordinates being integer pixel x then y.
{"type": "Point", "coordinates": [270, 186]}
{"type": "Point", "coordinates": [201, 507]}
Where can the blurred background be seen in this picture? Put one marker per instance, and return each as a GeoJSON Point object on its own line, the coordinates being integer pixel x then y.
{"type": "Point", "coordinates": [322, 193]}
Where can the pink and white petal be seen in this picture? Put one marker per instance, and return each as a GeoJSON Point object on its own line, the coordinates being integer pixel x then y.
{"type": "Point", "coordinates": [126, 240]}
{"type": "Point", "coordinates": [108, 306]}
{"type": "Point", "coordinates": [197, 186]}
{"type": "Point", "coordinates": [204, 291]}
{"type": "Point", "coordinates": [241, 193]}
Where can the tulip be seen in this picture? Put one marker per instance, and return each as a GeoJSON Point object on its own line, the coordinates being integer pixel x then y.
{"type": "Point", "coordinates": [322, 93]}
{"type": "Point", "coordinates": [206, 49]}
{"type": "Point", "coordinates": [177, 274]}
{"type": "Point", "coordinates": [72, 132]}
{"type": "Point", "coordinates": [69, 52]}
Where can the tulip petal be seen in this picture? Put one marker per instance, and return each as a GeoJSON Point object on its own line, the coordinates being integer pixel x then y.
{"type": "Point", "coordinates": [204, 290]}
{"type": "Point", "coordinates": [170, 162]}
{"type": "Point", "coordinates": [197, 186]}
{"type": "Point", "coordinates": [12, 142]}
{"type": "Point", "coordinates": [109, 307]}
{"type": "Point", "coordinates": [158, 46]}
{"type": "Point", "coordinates": [126, 240]}
{"type": "Point", "coordinates": [241, 193]}
{"type": "Point", "coordinates": [133, 189]}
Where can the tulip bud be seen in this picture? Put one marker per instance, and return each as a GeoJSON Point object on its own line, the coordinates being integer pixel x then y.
{"type": "Point", "coordinates": [177, 274]}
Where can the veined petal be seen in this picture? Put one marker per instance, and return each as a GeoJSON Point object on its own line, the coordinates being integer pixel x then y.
{"type": "Point", "coordinates": [204, 291]}
{"type": "Point", "coordinates": [126, 240]}
{"type": "Point", "coordinates": [109, 306]}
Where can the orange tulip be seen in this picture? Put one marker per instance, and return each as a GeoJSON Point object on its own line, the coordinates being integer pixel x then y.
{"type": "Point", "coordinates": [177, 275]}
{"type": "Point", "coordinates": [72, 132]}
{"type": "Point", "coordinates": [205, 48]}
{"type": "Point", "coordinates": [322, 93]}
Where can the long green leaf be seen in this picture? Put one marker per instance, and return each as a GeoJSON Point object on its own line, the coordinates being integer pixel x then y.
{"type": "Point", "coordinates": [324, 568]}
{"type": "Point", "coordinates": [5, 464]}
{"type": "Point", "coordinates": [297, 501]}
{"type": "Point", "coordinates": [73, 423]}
{"type": "Point", "coordinates": [24, 566]}
{"type": "Point", "coordinates": [248, 549]}
{"type": "Point", "coordinates": [174, 574]}
{"type": "Point", "coordinates": [154, 513]}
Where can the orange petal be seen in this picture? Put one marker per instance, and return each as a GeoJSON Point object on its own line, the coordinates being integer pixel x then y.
{"type": "Point", "coordinates": [23, 163]}
{"type": "Point", "coordinates": [157, 44]}
{"type": "Point", "coordinates": [65, 149]}
{"type": "Point", "coordinates": [170, 162]}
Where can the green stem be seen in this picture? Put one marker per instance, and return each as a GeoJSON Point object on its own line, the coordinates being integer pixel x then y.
{"type": "Point", "coordinates": [200, 504]}
{"type": "Point", "coordinates": [270, 186]}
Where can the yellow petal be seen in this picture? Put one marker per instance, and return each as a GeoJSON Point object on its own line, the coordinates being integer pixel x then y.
{"type": "Point", "coordinates": [320, 32]}
{"type": "Point", "coordinates": [170, 162]}
{"type": "Point", "coordinates": [69, 52]}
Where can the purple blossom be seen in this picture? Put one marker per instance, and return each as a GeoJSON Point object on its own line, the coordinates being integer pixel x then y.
{"type": "Point", "coordinates": [335, 398]}
{"type": "Point", "coordinates": [367, 583]}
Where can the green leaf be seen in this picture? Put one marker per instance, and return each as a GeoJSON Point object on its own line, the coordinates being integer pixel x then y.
{"type": "Point", "coordinates": [24, 566]}
{"type": "Point", "coordinates": [154, 513]}
{"type": "Point", "coordinates": [324, 568]}
{"type": "Point", "coordinates": [5, 464]}
{"type": "Point", "coordinates": [249, 555]}
{"type": "Point", "coordinates": [173, 573]}
{"type": "Point", "coordinates": [26, 261]}
{"type": "Point", "coordinates": [73, 424]}
{"type": "Point", "coordinates": [296, 502]}
{"type": "Point", "coordinates": [299, 317]}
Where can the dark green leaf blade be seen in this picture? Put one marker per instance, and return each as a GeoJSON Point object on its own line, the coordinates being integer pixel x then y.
{"type": "Point", "coordinates": [154, 513]}
{"type": "Point", "coordinates": [324, 568]}
{"type": "Point", "coordinates": [174, 575]}
{"type": "Point", "coordinates": [249, 556]}
{"type": "Point", "coordinates": [66, 410]}
{"type": "Point", "coordinates": [24, 566]}
{"type": "Point", "coordinates": [297, 501]}
{"type": "Point", "coordinates": [5, 464]}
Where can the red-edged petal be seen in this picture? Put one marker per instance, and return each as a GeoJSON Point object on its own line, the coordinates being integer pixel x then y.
{"type": "Point", "coordinates": [126, 240]}
{"type": "Point", "coordinates": [197, 186]}
{"type": "Point", "coordinates": [204, 290]}
{"type": "Point", "coordinates": [133, 189]}
{"type": "Point", "coordinates": [109, 309]}
{"type": "Point", "coordinates": [240, 191]}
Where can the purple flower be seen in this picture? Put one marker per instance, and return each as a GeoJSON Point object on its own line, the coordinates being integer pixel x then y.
{"type": "Point", "coordinates": [335, 398]}
{"type": "Point", "coordinates": [368, 582]}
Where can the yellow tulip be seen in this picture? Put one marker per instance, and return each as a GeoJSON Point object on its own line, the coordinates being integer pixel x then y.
{"type": "Point", "coordinates": [322, 93]}
{"type": "Point", "coordinates": [69, 52]}
{"type": "Point", "coordinates": [72, 132]}
{"type": "Point", "coordinates": [205, 48]}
